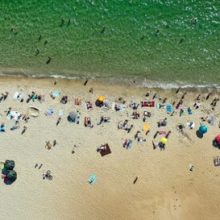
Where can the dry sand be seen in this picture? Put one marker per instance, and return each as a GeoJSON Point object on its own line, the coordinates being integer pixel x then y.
{"type": "Point", "coordinates": [165, 188]}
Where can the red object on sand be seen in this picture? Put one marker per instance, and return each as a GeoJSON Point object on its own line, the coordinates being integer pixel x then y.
{"type": "Point", "coordinates": [148, 103]}
{"type": "Point", "coordinates": [217, 139]}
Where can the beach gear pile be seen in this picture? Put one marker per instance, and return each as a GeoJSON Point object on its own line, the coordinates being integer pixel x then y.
{"type": "Point", "coordinates": [8, 173]}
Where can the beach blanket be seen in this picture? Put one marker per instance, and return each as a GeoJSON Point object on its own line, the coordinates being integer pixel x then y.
{"type": "Point", "coordinates": [169, 108]}
{"type": "Point", "coordinates": [56, 94]}
{"type": "Point", "coordinates": [61, 112]}
{"type": "Point", "coordinates": [147, 103]}
{"type": "Point", "coordinates": [49, 112]}
{"type": "Point", "coordinates": [17, 96]}
{"type": "Point", "coordinates": [14, 115]}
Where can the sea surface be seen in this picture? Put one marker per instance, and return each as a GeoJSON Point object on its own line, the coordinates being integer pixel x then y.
{"type": "Point", "coordinates": [166, 41]}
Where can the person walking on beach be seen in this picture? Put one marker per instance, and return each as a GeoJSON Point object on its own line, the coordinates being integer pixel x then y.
{"type": "Point", "coordinates": [24, 129]}
{"type": "Point", "coordinates": [58, 121]}
{"type": "Point", "coordinates": [8, 112]}
{"type": "Point", "coordinates": [135, 180]}
{"type": "Point", "coordinates": [54, 143]}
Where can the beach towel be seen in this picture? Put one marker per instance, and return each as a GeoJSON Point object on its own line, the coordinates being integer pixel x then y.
{"type": "Point", "coordinates": [146, 127]}
{"type": "Point", "coordinates": [14, 115]}
{"type": "Point", "coordinates": [159, 106]}
{"type": "Point", "coordinates": [49, 112]}
{"type": "Point", "coordinates": [56, 94]}
{"type": "Point", "coordinates": [61, 112]}
{"type": "Point", "coordinates": [17, 96]}
{"type": "Point", "coordinates": [169, 108]}
{"type": "Point", "coordinates": [92, 179]}
{"type": "Point", "coordinates": [147, 103]}
{"type": "Point", "coordinates": [191, 125]}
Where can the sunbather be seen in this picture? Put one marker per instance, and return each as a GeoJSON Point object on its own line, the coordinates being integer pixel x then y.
{"type": "Point", "coordinates": [87, 122]}
{"type": "Point", "coordinates": [64, 100]}
{"type": "Point", "coordinates": [162, 123]}
{"type": "Point", "coordinates": [89, 105]}
{"type": "Point", "coordinates": [135, 115]}
{"type": "Point", "coordinates": [103, 120]}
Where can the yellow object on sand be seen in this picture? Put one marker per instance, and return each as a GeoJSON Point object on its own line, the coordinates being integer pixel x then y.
{"type": "Point", "coordinates": [146, 127]}
{"type": "Point", "coordinates": [163, 140]}
{"type": "Point", "coordinates": [101, 98]}
{"type": "Point", "coordinates": [2, 165]}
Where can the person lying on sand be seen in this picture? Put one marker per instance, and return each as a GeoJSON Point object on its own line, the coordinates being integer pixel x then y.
{"type": "Point", "coordinates": [87, 122]}
{"type": "Point", "coordinates": [48, 145]}
{"type": "Point", "coordinates": [162, 123]}
{"type": "Point", "coordinates": [135, 115]}
{"type": "Point", "coordinates": [103, 120]}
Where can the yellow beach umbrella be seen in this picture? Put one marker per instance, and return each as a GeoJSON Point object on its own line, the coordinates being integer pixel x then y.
{"type": "Point", "coordinates": [146, 127]}
{"type": "Point", "coordinates": [101, 98]}
{"type": "Point", "coordinates": [163, 140]}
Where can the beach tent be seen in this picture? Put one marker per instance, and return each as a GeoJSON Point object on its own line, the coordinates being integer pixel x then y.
{"type": "Point", "coordinates": [100, 101]}
{"type": "Point", "coordinates": [72, 117]}
{"type": "Point", "coordinates": [163, 140]}
{"type": "Point", "coordinates": [34, 112]}
{"type": "Point", "coordinates": [203, 129]}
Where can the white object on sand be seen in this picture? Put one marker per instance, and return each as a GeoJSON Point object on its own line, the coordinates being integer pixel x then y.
{"type": "Point", "coordinates": [13, 115]}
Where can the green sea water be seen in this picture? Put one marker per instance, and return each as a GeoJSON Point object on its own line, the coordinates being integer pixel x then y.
{"type": "Point", "coordinates": [162, 40]}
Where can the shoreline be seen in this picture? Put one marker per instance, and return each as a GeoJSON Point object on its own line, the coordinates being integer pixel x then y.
{"type": "Point", "coordinates": [134, 81]}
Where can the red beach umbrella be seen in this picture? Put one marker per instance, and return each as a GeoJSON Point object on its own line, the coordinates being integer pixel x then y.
{"type": "Point", "coordinates": [217, 139]}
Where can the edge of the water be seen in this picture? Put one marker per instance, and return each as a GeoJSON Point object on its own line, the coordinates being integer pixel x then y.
{"type": "Point", "coordinates": [139, 82]}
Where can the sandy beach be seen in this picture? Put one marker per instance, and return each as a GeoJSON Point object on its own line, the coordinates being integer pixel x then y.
{"type": "Point", "coordinates": [165, 187]}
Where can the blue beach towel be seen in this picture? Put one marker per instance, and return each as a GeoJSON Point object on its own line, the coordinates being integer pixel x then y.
{"type": "Point", "coordinates": [169, 108]}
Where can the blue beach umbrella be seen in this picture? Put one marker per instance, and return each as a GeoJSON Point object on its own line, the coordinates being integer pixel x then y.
{"type": "Point", "coordinates": [203, 129]}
